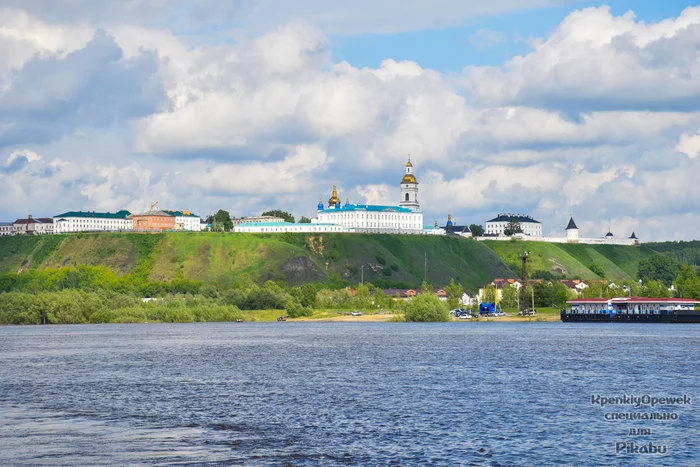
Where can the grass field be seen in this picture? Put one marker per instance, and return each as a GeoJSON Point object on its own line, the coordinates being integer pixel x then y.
{"type": "Point", "coordinates": [400, 261]}
{"type": "Point", "coordinates": [572, 260]}
{"type": "Point", "coordinates": [222, 258]}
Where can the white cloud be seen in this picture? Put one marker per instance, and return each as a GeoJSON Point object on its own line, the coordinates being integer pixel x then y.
{"type": "Point", "coordinates": [294, 174]}
{"type": "Point", "coordinates": [689, 145]}
{"type": "Point", "coordinates": [23, 36]}
{"type": "Point", "coordinates": [330, 16]}
{"type": "Point", "coordinates": [595, 60]}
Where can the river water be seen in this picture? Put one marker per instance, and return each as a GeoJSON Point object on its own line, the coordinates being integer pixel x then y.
{"type": "Point", "coordinates": [345, 394]}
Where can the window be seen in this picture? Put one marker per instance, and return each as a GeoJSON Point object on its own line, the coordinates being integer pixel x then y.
{"type": "Point", "coordinates": [406, 196]}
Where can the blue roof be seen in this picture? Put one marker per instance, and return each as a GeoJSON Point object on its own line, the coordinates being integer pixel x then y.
{"type": "Point", "coordinates": [281, 224]}
{"type": "Point", "coordinates": [368, 207]}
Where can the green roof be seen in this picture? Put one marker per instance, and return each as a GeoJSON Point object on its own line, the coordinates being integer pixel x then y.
{"type": "Point", "coordinates": [180, 213]}
{"type": "Point", "coordinates": [94, 214]}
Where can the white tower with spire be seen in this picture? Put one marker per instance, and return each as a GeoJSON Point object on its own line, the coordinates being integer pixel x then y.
{"type": "Point", "coordinates": [572, 231]}
{"type": "Point", "coordinates": [409, 189]}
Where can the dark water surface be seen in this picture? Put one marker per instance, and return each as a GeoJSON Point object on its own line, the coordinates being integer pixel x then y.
{"type": "Point", "coordinates": [343, 393]}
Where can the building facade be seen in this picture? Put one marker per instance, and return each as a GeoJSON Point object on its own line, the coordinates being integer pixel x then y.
{"type": "Point", "coordinates": [185, 220]}
{"type": "Point", "coordinates": [406, 217]}
{"type": "Point", "coordinates": [284, 227]}
{"type": "Point", "coordinates": [91, 221]}
{"type": "Point", "coordinates": [498, 225]}
{"type": "Point", "coordinates": [33, 226]}
{"type": "Point", "coordinates": [153, 221]}
{"type": "Point", "coordinates": [264, 219]}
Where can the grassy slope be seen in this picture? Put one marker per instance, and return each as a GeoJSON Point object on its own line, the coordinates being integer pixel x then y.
{"type": "Point", "coordinates": [296, 258]}
{"type": "Point", "coordinates": [300, 258]}
{"type": "Point", "coordinates": [619, 262]}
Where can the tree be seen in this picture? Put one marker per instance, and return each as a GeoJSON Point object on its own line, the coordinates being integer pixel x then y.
{"type": "Point", "coordinates": [304, 220]}
{"type": "Point", "coordinates": [222, 221]}
{"type": "Point", "coordinates": [509, 296]}
{"type": "Point", "coordinates": [279, 213]}
{"type": "Point", "coordinates": [454, 294]}
{"type": "Point", "coordinates": [308, 295]}
{"type": "Point", "coordinates": [657, 267]}
{"type": "Point", "coordinates": [512, 228]}
{"type": "Point", "coordinates": [489, 294]}
{"type": "Point", "coordinates": [655, 289]}
{"type": "Point", "coordinates": [477, 230]}
{"type": "Point", "coordinates": [687, 283]}
{"type": "Point", "coordinates": [598, 270]}
{"type": "Point", "coordinates": [426, 307]}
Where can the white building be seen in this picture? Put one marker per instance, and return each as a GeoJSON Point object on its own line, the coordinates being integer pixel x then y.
{"type": "Point", "coordinates": [573, 236]}
{"type": "Point", "coordinates": [32, 226]}
{"type": "Point", "coordinates": [185, 220]}
{"type": "Point", "coordinates": [284, 227]}
{"type": "Point", "coordinates": [91, 221]}
{"type": "Point", "coordinates": [498, 225]}
{"type": "Point", "coordinates": [6, 228]}
{"type": "Point", "coordinates": [243, 220]}
{"type": "Point", "coordinates": [404, 218]}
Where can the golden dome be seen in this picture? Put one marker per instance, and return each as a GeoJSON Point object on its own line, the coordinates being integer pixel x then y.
{"type": "Point", "coordinates": [408, 178]}
{"type": "Point", "coordinates": [334, 199]}
{"type": "Point", "coordinates": [408, 164]}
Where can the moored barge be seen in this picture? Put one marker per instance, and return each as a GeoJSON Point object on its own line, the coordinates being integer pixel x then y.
{"type": "Point", "coordinates": [632, 309]}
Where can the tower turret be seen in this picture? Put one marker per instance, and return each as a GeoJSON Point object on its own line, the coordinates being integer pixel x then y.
{"type": "Point", "coordinates": [409, 189]}
{"type": "Point", "coordinates": [571, 231]}
{"type": "Point", "coordinates": [334, 199]}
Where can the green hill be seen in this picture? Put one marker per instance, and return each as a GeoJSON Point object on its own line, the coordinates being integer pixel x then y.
{"type": "Point", "coordinates": [573, 260]}
{"type": "Point", "coordinates": [218, 258]}
{"type": "Point", "coordinates": [338, 259]}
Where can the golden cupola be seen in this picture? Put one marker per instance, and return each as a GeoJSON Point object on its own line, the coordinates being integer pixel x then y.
{"type": "Point", "coordinates": [409, 177]}
{"type": "Point", "coordinates": [334, 199]}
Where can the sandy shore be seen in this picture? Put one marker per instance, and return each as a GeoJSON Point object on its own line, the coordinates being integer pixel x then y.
{"type": "Point", "coordinates": [383, 317]}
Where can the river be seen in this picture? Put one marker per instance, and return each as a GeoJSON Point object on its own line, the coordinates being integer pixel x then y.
{"type": "Point", "coordinates": [347, 394]}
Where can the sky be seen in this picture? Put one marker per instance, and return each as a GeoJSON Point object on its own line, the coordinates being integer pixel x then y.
{"type": "Point", "coordinates": [551, 108]}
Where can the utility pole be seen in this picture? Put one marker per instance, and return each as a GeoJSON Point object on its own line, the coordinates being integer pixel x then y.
{"type": "Point", "coordinates": [362, 277]}
{"type": "Point", "coordinates": [425, 267]}
{"type": "Point", "coordinates": [523, 287]}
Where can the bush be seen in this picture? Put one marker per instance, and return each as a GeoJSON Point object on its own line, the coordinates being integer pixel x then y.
{"type": "Point", "coordinates": [296, 310]}
{"type": "Point", "coordinates": [426, 307]}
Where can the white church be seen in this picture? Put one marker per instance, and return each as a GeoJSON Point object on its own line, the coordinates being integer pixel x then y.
{"type": "Point", "coordinates": [404, 218]}
{"type": "Point", "coordinates": [407, 217]}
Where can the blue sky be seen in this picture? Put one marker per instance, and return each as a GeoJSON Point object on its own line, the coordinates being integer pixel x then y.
{"type": "Point", "coordinates": [541, 107]}
{"type": "Point", "coordinates": [451, 49]}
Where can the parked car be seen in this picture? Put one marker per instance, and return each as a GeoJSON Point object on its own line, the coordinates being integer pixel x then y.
{"type": "Point", "coordinates": [356, 313]}
{"type": "Point", "coordinates": [465, 316]}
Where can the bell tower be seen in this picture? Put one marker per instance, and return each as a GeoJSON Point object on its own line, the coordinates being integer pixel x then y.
{"type": "Point", "coordinates": [409, 189]}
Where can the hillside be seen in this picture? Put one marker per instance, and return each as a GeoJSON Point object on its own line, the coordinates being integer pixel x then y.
{"type": "Point", "coordinates": [681, 252]}
{"type": "Point", "coordinates": [217, 258]}
{"type": "Point", "coordinates": [573, 260]}
{"type": "Point", "coordinates": [338, 259]}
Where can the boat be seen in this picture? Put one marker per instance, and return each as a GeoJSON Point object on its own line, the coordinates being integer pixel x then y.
{"type": "Point", "coordinates": [632, 309]}
{"type": "Point", "coordinates": [282, 318]}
